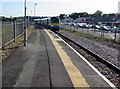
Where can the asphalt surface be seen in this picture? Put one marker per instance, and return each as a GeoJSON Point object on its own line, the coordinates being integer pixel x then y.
{"type": "Point", "coordinates": [35, 65]}
{"type": "Point", "coordinates": [39, 65]}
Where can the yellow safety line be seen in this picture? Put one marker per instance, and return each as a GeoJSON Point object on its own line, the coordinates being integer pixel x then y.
{"type": "Point", "coordinates": [76, 78]}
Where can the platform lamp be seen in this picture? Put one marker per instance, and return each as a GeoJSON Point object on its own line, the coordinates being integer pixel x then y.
{"type": "Point", "coordinates": [35, 8]}
{"type": "Point", "coordinates": [25, 26]}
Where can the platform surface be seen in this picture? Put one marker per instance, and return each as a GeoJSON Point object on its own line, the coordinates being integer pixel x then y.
{"type": "Point", "coordinates": [48, 62]}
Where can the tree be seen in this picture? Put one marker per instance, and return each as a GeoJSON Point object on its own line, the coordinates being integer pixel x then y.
{"type": "Point", "coordinates": [77, 15]}
{"type": "Point", "coordinates": [8, 19]}
{"type": "Point", "coordinates": [105, 15]}
{"type": "Point", "coordinates": [112, 14]}
{"type": "Point", "coordinates": [83, 14]}
{"type": "Point", "coordinates": [74, 15]}
{"type": "Point", "coordinates": [15, 18]}
{"type": "Point", "coordinates": [62, 16]}
{"type": "Point", "coordinates": [97, 13]}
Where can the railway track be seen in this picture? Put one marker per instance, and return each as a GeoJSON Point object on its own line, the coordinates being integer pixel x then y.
{"type": "Point", "coordinates": [109, 70]}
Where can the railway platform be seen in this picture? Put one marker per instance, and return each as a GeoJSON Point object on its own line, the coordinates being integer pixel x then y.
{"type": "Point", "coordinates": [48, 62]}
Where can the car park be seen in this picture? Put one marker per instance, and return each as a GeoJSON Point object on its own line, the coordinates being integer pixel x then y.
{"type": "Point", "coordinates": [73, 24]}
{"type": "Point", "coordinates": [106, 28]}
{"type": "Point", "coordinates": [115, 30]}
{"type": "Point", "coordinates": [82, 25]}
{"type": "Point", "coordinates": [89, 25]}
{"type": "Point", "coordinates": [97, 26]}
{"type": "Point", "coordinates": [86, 26]}
{"type": "Point", "coordinates": [69, 23]}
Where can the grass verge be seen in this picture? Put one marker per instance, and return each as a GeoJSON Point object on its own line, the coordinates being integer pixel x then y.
{"type": "Point", "coordinates": [91, 36]}
{"type": "Point", "coordinates": [12, 46]}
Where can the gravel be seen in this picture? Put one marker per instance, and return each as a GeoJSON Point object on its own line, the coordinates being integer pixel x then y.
{"type": "Point", "coordinates": [108, 51]}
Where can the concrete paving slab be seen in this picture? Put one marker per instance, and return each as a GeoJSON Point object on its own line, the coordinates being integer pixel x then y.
{"type": "Point", "coordinates": [92, 78]}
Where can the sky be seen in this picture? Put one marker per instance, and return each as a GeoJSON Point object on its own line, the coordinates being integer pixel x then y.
{"type": "Point", "coordinates": [56, 7]}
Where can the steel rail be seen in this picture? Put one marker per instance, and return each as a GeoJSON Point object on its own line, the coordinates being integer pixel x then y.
{"type": "Point", "coordinates": [99, 58]}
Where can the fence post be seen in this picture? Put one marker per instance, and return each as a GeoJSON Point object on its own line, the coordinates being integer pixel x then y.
{"type": "Point", "coordinates": [87, 30]}
{"type": "Point", "coordinates": [115, 36]}
{"type": "Point", "coordinates": [94, 31]}
{"type": "Point", "coordinates": [103, 33]}
{"type": "Point", "coordinates": [77, 28]}
{"type": "Point", "coordinates": [14, 30]}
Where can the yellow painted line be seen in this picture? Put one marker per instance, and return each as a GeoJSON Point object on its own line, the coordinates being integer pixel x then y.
{"type": "Point", "coordinates": [76, 78]}
{"type": "Point", "coordinates": [57, 39]}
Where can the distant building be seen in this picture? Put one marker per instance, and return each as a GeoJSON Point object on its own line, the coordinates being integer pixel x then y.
{"type": "Point", "coordinates": [68, 20]}
{"type": "Point", "coordinates": [108, 20]}
{"type": "Point", "coordinates": [80, 20]}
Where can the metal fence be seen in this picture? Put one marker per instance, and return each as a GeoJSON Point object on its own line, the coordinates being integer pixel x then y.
{"type": "Point", "coordinates": [12, 30]}
{"type": "Point", "coordinates": [97, 32]}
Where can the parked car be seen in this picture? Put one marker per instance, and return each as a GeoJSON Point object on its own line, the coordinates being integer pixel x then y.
{"type": "Point", "coordinates": [89, 25]}
{"type": "Point", "coordinates": [62, 23]}
{"type": "Point", "coordinates": [69, 23]}
{"type": "Point", "coordinates": [82, 25]}
{"type": "Point", "coordinates": [115, 29]}
{"type": "Point", "coordinates": [97, 27]}
{"type": "Point", "coordinates": [73, 24]}
{"type": "Point", "coordinates": [93, 26]}
{"type": "Point", "coordinates": [106, 28]}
